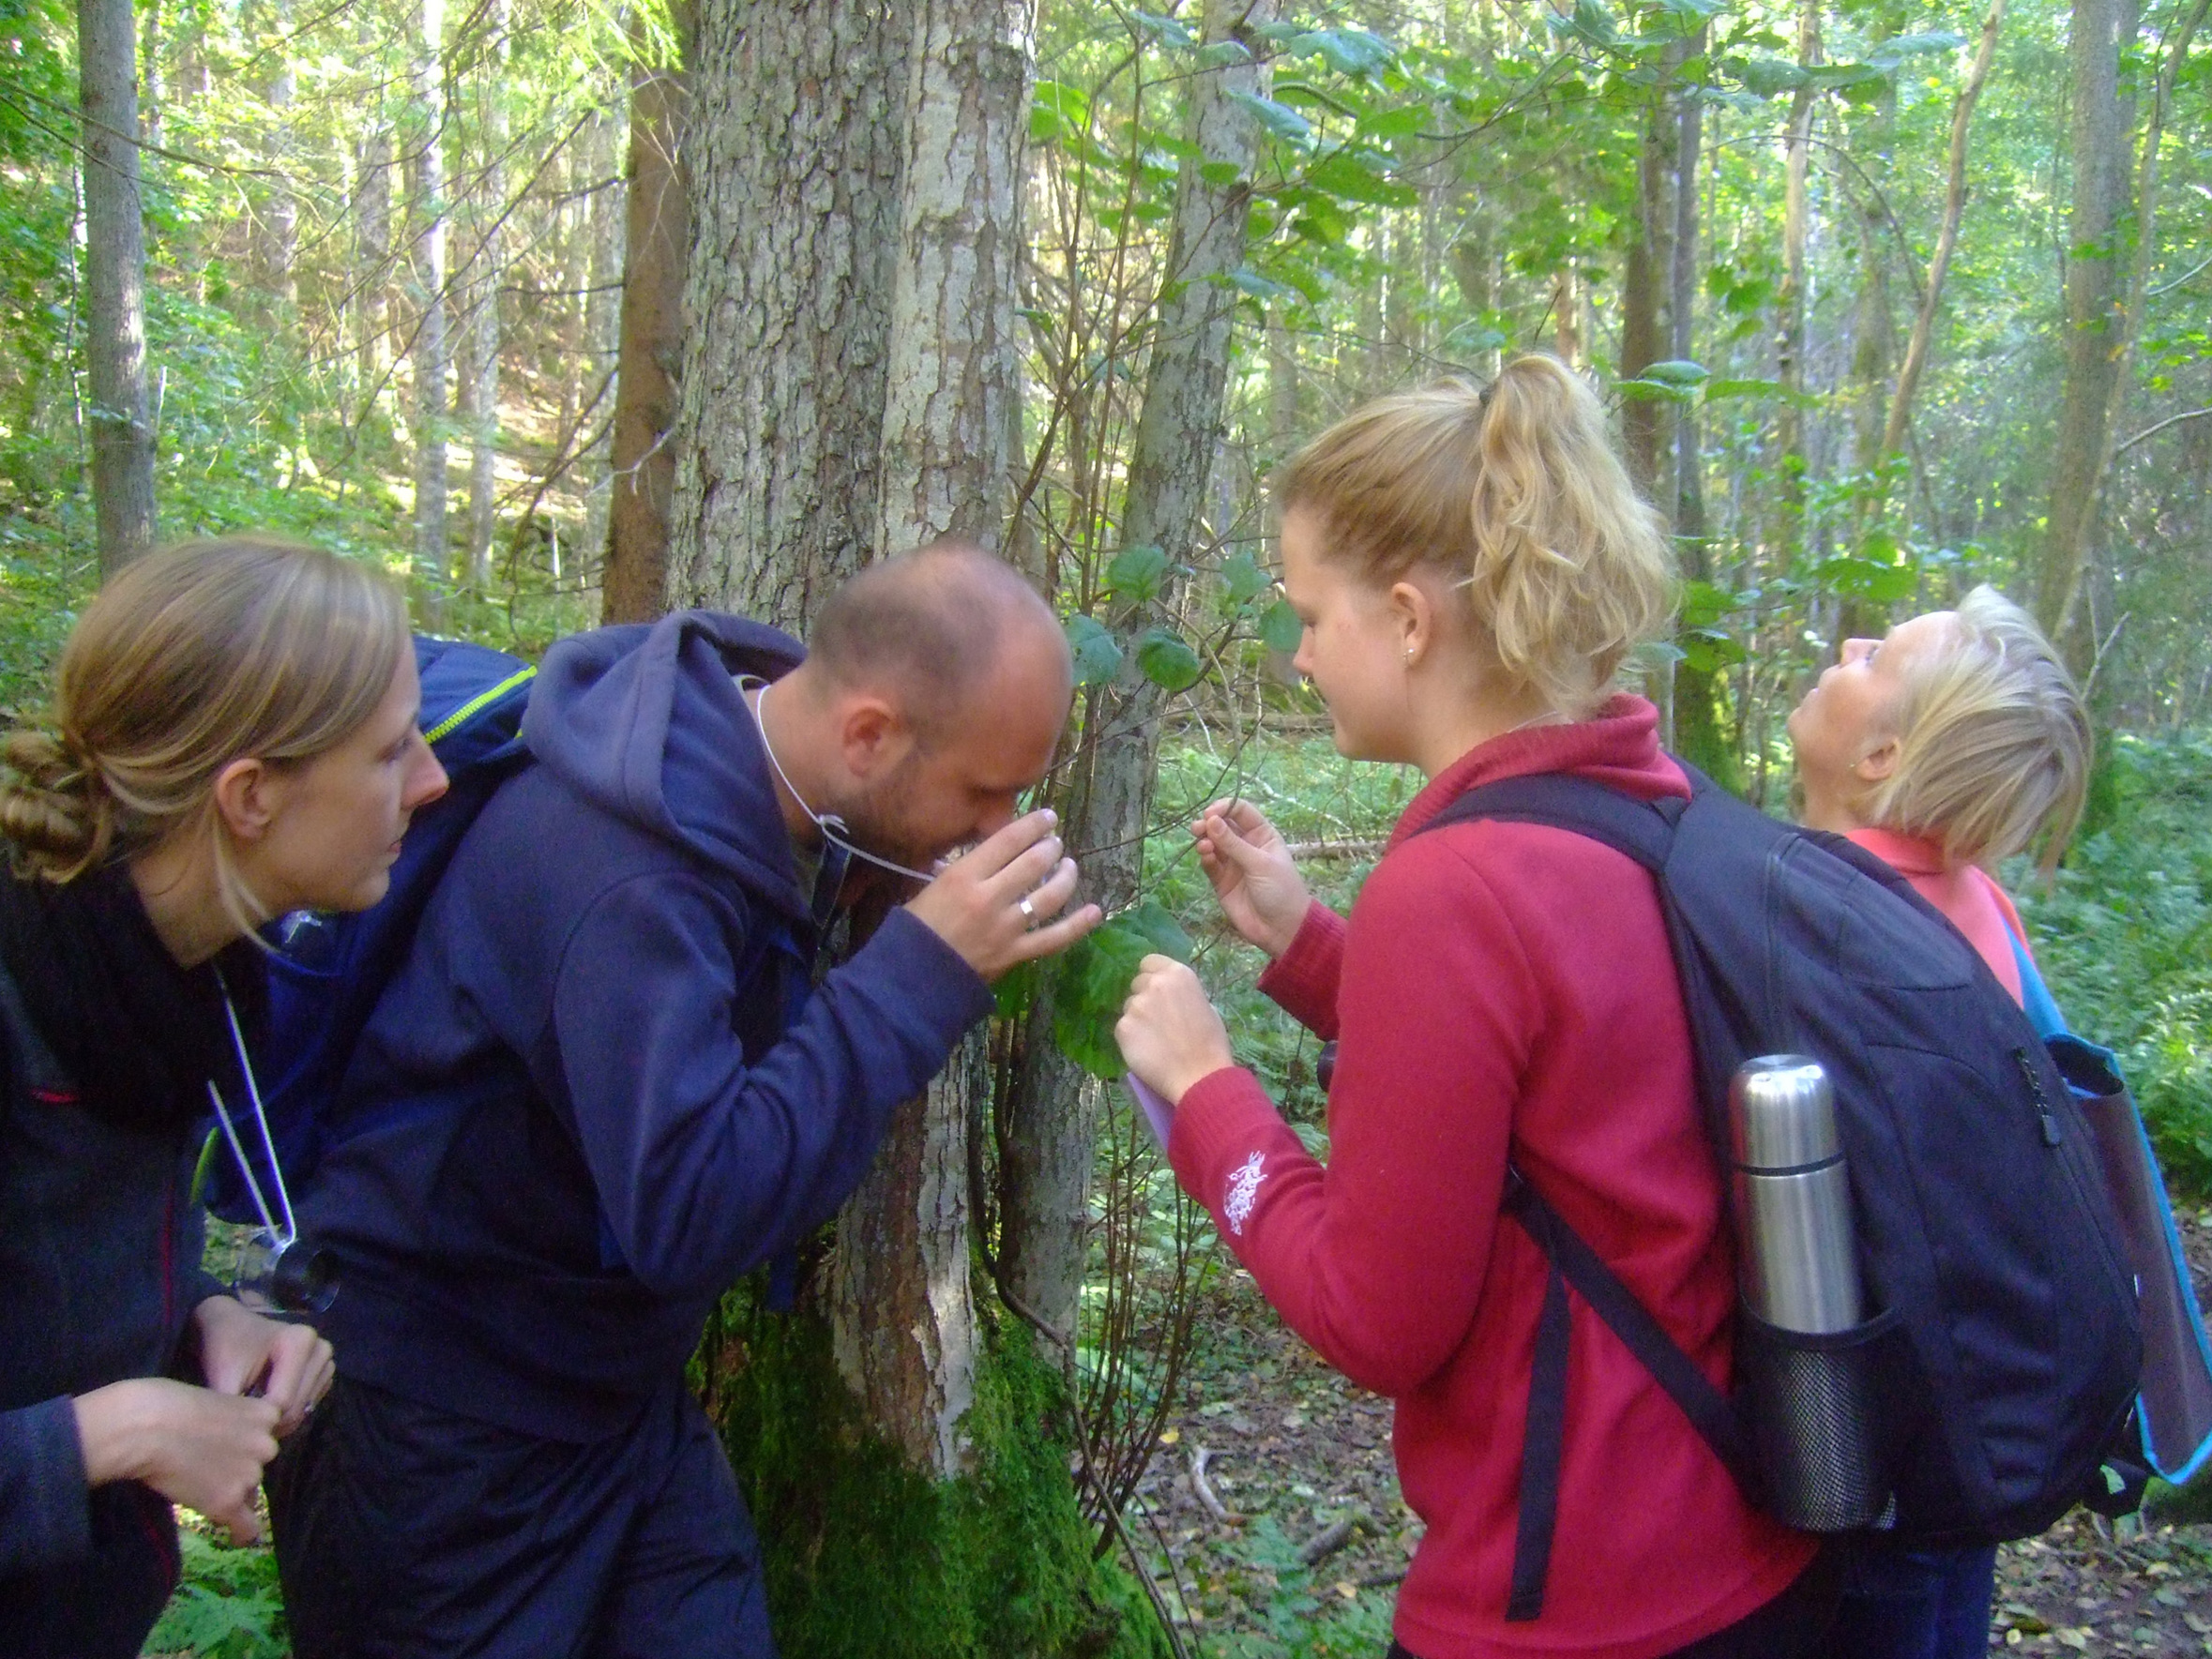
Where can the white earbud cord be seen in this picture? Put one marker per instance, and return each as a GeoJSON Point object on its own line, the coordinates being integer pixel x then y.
{"type": "Point", "coordinates": [289, 1231]}
{"type": "Point", "coordinates": [833, 828]}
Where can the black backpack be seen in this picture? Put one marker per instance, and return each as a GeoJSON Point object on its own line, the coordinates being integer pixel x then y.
{"type": "Point", "coordinates": [2003, 1364]}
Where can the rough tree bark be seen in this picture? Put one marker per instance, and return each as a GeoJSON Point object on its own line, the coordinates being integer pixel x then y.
{"type": "Point", "coordinates": [155, 89]}
{"type": "Point", "coordinates": [114, 283]}
{"type": "Point", "coordinates": [2103, 117]}
{"type": "Point", "coordinates": [657, 218]}
{"type": "Point", "coordinates": [602, 319]}
{"type": "Point", "coordinates": [1047, 1122]}
{"type": "Point", "coordinates": [787, 301]}
{"type": "Point", "coordinates": [432, 350]}
{"type": "Point", "coordinates": [902, 1320]}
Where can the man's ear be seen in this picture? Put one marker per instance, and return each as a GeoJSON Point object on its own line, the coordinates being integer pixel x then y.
{"type": "Point", "coordinates": [872, 736]}
{"type": "Point", "coordinates": [248, 794]}
{"type": "Point", "coordinates": [1877, 766]}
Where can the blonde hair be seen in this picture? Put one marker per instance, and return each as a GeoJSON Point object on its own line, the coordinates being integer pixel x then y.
{"type": "Point", "coordinates": [197, 655]}
{"type": "Point", "coordinates": [1994, 740]}
{"type": "Point", "coordinates": [1515, 487]}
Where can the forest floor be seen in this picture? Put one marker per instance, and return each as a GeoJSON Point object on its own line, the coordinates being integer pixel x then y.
{"type": "Point", "coordinates": [1298, 1459]}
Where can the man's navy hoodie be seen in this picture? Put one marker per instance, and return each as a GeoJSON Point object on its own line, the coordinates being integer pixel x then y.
{"type": "Point", "coordinates": [581, 1113]}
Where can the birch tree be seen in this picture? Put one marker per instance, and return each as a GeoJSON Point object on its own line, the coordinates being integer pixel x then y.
{"type": "Point", "coordinates": [118, 420]}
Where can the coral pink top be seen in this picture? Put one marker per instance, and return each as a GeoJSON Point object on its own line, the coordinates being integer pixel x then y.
{"type": "Point", "coordinates": [1967, 895]}
{"type": "Point", "coordinates": [1504, 991]}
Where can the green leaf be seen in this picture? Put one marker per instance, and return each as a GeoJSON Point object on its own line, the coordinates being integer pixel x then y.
{"type": "Point", "coordinates": [1703, 605]}
{"type": "Point", "coordinates": [1167, 660]}
{"type": "Point", "coordinates": [1165, 30]}
{"type": "Point", "coordinates": [1349, 51]}
{"type": "Point", "coordinates": [1708, 650]}
{"type": "Point", "coordinates": [1244, 579]}
{"type": "Point", "coordinates": [1895, 50]}
{"type": "Point", "coordinates": [1256, 285]}
{"type": "Point", "coordinates": [1740, 388]}
{"type": "Point", "coordinates": [1219, 174]}
{"type": "Point", "coordinates": [1096, 651]}
{"type": "Point", "coordinates": [1280, 119]}
{"type": "Point", "coordinates": [1677, 371]}
{"type": "Point", "coordinates": [1137, 573]}
{"type": "Point", "coordinates": [1763, 77]}
{"type": "Point", "coordinates": [1091, 983]}
{"type": "Point", "coordinates": [1868, 579]}
{"type": "Point", "coordinates": [1014, 989]}
{"type": "Point", "coordinates": [1349, 180]}
{"type": "Point", "coordinates": [1389, 126]}
{"type": "Point", "coordinates": [1280, 629]}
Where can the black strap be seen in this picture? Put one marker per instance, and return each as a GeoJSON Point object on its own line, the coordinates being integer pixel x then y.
{"type": "Point", "coordinates": [1642, 830]}
{"type": "Point", "coordinates": [1544, 1439]}
{"type": "Point", "coordinates": [1544, 1444]}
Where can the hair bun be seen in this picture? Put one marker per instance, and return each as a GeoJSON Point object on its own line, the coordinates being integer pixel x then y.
{"type": "Point", "coordinates": [55, 814]}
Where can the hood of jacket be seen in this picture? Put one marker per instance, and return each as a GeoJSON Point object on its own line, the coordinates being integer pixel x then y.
{"type": "Point", "coordinates": [646, 721]}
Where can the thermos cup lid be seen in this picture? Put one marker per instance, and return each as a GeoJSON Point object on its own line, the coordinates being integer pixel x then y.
{"type": "Point", "coordinates": [1781, 1114]}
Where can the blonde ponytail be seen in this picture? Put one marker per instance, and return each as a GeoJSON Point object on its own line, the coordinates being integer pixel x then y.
{"type": "Point", "coordinates": [1515, 488]}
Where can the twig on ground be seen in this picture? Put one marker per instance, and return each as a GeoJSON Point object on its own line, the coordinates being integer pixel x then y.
{"type": "Point", "coordinates": [1203, 1490]}
{"type": "Point", "coordinates": [1326, 1542]}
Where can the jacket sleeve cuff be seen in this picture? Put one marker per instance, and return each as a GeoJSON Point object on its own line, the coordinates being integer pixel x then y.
{"type": "Point", "coordinates": [45, 1505]}
{"type": "Point", "coordinates": [1220, 1119]}
{"type": "Point", "coordinates": [944, 991]}
{"type": "Point", "coordinates": [1303, 980]}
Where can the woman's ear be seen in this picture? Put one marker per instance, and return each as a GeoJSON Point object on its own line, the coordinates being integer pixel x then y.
{"type": "Point", "coordinates": [1878, 764]}
{"type": "Point", "coordinates": [246, 798]}
{"type": "Point", "coordinates": [1413, 609]}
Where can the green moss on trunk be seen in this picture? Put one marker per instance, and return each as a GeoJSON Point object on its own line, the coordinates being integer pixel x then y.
{"type": "Point", "coordinates": [865, 1556]}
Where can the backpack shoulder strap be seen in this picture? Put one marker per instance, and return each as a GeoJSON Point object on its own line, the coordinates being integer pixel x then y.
{"type": "Point", "coordinates": [1641, 830]}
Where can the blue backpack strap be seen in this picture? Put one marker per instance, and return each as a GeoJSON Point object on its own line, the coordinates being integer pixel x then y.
{"type": "Point", "coordinates": [2035, 996]}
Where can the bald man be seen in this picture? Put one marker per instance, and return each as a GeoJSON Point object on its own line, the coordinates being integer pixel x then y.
{"type": "Point", "coordinates": [604, 1086]}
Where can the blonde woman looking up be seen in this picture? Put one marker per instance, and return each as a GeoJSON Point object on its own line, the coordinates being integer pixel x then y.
{"type": "Point", "coordinates": [1950, 743]}
{"type": "Point", "coordinates": [231, 736]}
{"type": "Point", "coordinates": [1472, 567]}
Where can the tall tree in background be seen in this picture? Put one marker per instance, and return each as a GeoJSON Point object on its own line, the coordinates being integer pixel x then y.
{"type": "Point", "coordinates": [432, 350]}
{"type": "Point", "coordinates": [1789, 336]}
{"type": "Point", "coordinates": [2103, 119]}
{"type": "Point", "coordinates": [481, 337]}
{"type": "Point", "coordinates": [656, 217]}
{"type": "Point", "coordinates": [114, 283]}
{"type": "Point", "coordinates": [1048, 1127]}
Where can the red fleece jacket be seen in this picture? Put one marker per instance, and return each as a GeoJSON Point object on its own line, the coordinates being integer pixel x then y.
{"type": "Point", "coordinates": [1504, 991]}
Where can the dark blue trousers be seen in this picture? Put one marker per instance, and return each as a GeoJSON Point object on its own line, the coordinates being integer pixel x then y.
{"type": "Point", "coordinates": [1916, 1604]}
{"type": "Point", "coordinates": [403, 1529]}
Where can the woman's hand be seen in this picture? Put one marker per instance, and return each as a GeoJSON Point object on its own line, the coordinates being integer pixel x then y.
{"type": "Point", "coordinates": [1260, 888]}
{"type": "Point", "coordinates": [290, 1366]}
{"type": "Point", "coordinates": [1169, 1033]}
{"type": "Point", "coordinates": [194, 1447]}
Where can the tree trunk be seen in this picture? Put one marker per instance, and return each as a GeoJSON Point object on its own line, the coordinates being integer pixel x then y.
{"type": "Point", "coordinates": [1645, 287]}
{"type": "Point", "coordinates": [602, 320]}
{"type": "Point", "coordinates": [1789, 340]}
{"type": "Point", "coordinates": [114, 283]}
{"type": "Point", "coordinates": [2103, 117]}
{"type": "Point", "coordinates": [150, 71]}
{"type": "Point", "coordinates": [1946, 242]}
{"type": "Point", "coordinates": [2132, 306]}
{"type": "Point", "coordinates": [432, 557]}
{"type": "Point", "coordinates": [280, 217]}
{"type": "Point", "coordinates": [480, 379]}
{"type": "Point", "coordinates": [372, 245]}
{"type": "Point", "coordinates": [657, 241]}
{"type": "Point", "coordinates": [1048, 1127]}
{"type": "Point", "coordinates": [902, 1317]}
{"type": "Point", "coordinates": [778, 483]}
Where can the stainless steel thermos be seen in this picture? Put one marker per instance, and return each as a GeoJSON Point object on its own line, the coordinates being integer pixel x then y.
{"type": "Point", "coordinates": [1799, 1265]}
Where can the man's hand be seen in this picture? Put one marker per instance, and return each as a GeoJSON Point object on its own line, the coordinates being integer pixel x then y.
{"type": "Point", "coordinates": [977, 904]}
{"type": "Point", "coordinates": [194, 1447]}
{"type": "Point", "coordinates": [1170, 1034]}
{"type": "Point", "coordinates": [1260, 889]}
{"type": "Point", "coordinates": [239, 1350]}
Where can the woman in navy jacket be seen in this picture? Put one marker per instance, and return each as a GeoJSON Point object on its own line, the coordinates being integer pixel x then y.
{"type": "Point", "coordinates": [232, 737]}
